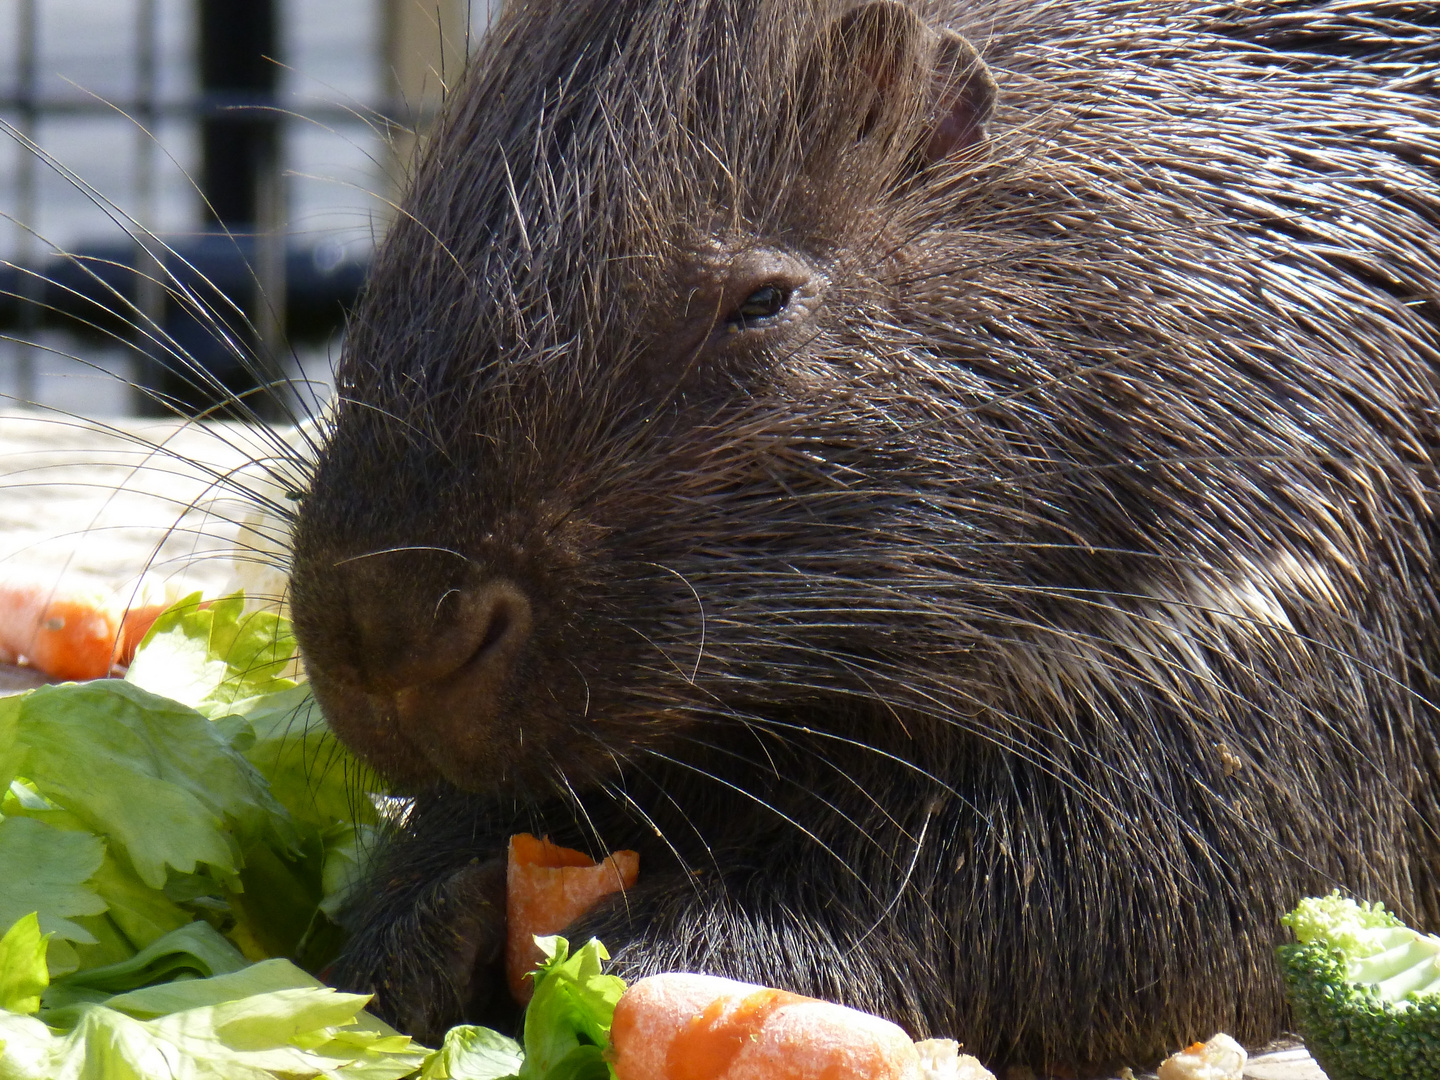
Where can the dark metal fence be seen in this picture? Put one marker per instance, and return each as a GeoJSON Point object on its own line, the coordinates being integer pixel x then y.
{"type": "Point", "coordinates": [210, 312]}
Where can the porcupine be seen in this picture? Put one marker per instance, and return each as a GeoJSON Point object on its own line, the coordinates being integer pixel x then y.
{"type": "Point", "coordinates": [950, 483]}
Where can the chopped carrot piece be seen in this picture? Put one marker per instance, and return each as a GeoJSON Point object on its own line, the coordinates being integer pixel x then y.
{"type": "Point", "coordinates": [74, 632]}
{"type": "Point", "coordinates": [702, 1027]}
{"type": "Point", "coordinates": [547, 887]}
{"type": "Point", "coordinates": [67, 634]}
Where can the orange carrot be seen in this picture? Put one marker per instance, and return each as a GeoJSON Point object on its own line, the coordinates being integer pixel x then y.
{"type": "Point", "coordinates": [702, 1027]}
{"type": "Point", "coordinates": [547, 887]}
{"type": "Point", "coordinates": [67, 634]}
{"type": "Point", "coordinates": [688, 1027]}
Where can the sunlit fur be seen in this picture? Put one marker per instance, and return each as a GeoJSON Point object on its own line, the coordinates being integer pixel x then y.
{"type": "Point", "coordinates": [1003, 646]}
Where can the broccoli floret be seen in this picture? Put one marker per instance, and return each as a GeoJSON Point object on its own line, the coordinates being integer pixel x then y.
{"type": "Point", "coordinates": [1365, 989]}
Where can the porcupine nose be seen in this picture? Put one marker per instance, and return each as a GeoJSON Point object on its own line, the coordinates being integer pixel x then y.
{"type": "Point", "coordinates": [415, 655]}
{"type": "Point", "coordinates": [468, 630]}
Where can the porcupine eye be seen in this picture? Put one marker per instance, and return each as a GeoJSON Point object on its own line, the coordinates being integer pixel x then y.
{"type": "Point", "coordinates": [764, 303]}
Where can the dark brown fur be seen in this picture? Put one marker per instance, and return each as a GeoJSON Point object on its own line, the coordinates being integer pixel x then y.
{"type": "Point", "coordinates": [1002, 636]}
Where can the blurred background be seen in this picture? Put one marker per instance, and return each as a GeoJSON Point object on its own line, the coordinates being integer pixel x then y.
{"type": "Point", "coordinates": [191, 190]}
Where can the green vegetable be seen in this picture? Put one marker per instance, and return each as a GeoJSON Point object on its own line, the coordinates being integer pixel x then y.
{"type": "Point", "coordinates": [474, 1053]}
{"type": "Point", "coordinates": [158, 834]}
{"type": "Point", "coordinates": [194, 951]}
{"type": "Point", "coordinates": [126, 815]}
{"type": "Point", "coordinates": [22, 966]}
{"type": "Point", "coordinates": [259, 1022]}
{"type": "Point", "coordinates": [271, 1019]}
{"type": "Point", "coordinates": [1365, 989]}
{"type": "Point", "coordinates": [215, 657]}
{"type": "Point", "coordinates": [567, 1023]}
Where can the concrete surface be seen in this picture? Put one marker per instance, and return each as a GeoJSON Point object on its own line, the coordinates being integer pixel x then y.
{"type": "Point", "coordinates": [104, 503]}
{"type": "Point", "coordinates": [1293, 1064]}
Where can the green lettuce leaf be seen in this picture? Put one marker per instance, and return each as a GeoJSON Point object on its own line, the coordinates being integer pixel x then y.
{"type": "Point", "coordinates": [10, 749]}
{"type": "Point", "coordinates": [567, 1024]}
{"type": "Point", "coordinates": [214, 657]}
{"type": "Point", "coordinates": [293, 1033]}
{"type": "Point", "coordinates": [474, 1053]}
{"type": "Point", "coordinates": [23, 975]}
{"type": "Point", "coordinates": [27, 1048]}
{"type": "Point", "coordinates": [196, 951]}
{"type": "Point", "coordinates": [46, 870]}
{"type": "Point", "coordinates": [256, 1022]}
{"type": "Point", "coordinates": [315, 778]}
{"type": "Point", "coordinates": [151, 835]}
{"type": "Point", "coordinates": [241, 981]}
{"type": "Point", "coordinates": [136, 914]}
{"type": "Point", "coordinates": [155, 777]}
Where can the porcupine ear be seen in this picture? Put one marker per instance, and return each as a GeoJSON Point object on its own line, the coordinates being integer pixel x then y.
{"type": "Point", "coordinates": [965, 95]}
{"type": "Point", "coordinates": [880, 74]}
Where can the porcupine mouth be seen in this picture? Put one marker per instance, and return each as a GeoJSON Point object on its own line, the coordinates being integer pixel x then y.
{"type": "Point", "coordinates": [439, 733]}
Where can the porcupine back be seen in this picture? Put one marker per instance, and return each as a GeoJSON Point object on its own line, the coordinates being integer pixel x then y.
{"type": "Point", "coordinates": [1044, 581]}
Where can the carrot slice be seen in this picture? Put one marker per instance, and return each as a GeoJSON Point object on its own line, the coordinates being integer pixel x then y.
{"type": "Point", "coordinates": [67, 634]}
{"type": "Point", "coordinates": [547, 887]}
{"type": "Point", "coordinates": [702, 1027]}
{"type": "Point", "coordinates": [681, 1026]}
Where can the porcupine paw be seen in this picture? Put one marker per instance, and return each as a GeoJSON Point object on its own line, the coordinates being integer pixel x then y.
{"type": "Point", "coordinates": [438, 960]}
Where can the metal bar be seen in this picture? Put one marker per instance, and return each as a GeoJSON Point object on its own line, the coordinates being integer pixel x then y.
{"type": "Point", "coordinates": [243, 185]}
{"type": "Point", "coordinates": [424, 50]}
